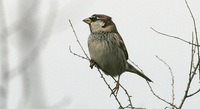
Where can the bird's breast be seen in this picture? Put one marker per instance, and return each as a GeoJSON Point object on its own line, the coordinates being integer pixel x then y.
{"type": "Point", "coordinates": [105, 51]}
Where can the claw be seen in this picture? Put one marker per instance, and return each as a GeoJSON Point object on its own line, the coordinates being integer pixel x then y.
{"type": "Point", "coordinates": [116, 89]}
{"type": "Point", "coordinates": [92, 63]}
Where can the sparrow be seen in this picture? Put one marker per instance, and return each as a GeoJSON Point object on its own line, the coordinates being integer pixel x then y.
{"type": "Point", "coordinates": [107, 49]}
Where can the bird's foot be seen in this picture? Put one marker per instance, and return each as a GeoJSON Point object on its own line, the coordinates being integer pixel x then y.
{"type": "Point", "coordinates": [116, 89]}
{"type": "Point", "coordinates": [92, 63]}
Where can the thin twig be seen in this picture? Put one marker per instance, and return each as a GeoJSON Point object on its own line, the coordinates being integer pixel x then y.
{"type": "Point", "coordinates": [126, 92]}
{"type": "Point", "coordinates": [160, 97]}
{"type": "Point", "coordinates": [77, 54]}
{"type": "Point", "coordinates": [188, 85]}
{"type": "Point", "coordinates": [78, 40]}
{"type": "Point", "coordinates": [195, 31]}
{"type": "Point", "coordinates": [192, 57]}
{"type": "Point", "coordinates": [172, 76]}
{"type": "Point", "coordinates": [192, 73]}
{"type": "Point", "coordinates": [194, 93]}
{"type": "Point", "coordinates": [110, 88]}
{"type": "Point", "coordinates": [153, 90]}
{"type": "Point", "coordinates": [173, 37]}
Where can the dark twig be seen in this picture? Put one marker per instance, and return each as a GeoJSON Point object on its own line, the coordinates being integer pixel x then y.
{"type": "Point", "coordinates": [174, 37]}
{"type": "Point", "coordinates": [194, 93]}
{"type": "Point", "coordinates": [160, 97]}
{"type": "Point", "coordinates": [153, 90]}
{"type": "Point", "coordinates": [126, 92]}
{"type": "Point", "coordinates": [192, 57]}
{"type": "Point", "coordinates": [121, 107]}
{"type": "Point", "coordinates": [188, 85]}
{"type": "Point", "coordinates": [78, 40]}
{"type": "Point", "coordinates": [172, 76]}
{"type": "Point", "coordinates": [77, 54]}
{"type": "Point", "coordinates": [195, 31]}
{"type": "Point", "coordinates": [192, 73]}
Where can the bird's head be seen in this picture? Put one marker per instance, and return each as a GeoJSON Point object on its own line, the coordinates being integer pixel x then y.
{"type": "Point", "coordinates": [100, 23]}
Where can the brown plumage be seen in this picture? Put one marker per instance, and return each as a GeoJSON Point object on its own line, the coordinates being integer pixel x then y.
{"type": "Point", "coordinates": [107, 48]}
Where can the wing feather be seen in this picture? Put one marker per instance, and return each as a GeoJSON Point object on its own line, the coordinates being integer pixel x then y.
{"type": "Point", "coordinates": [122, 45]}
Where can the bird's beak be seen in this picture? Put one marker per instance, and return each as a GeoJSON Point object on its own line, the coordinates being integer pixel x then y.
{"type": "Point", "coordinates": [87, 20]}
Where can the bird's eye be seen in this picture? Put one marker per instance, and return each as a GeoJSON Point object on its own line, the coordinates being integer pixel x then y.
{"type": "Point", "coordinates": [93, 19]}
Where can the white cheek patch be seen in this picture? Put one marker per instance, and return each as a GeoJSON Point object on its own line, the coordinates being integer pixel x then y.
{"type": "Point", "coordinates": [102, 23]}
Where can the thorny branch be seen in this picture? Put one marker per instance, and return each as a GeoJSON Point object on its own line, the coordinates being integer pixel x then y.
{"type": "Point", "coordinates": [87, 58]}
{"type": "Point", "coordinates": [126, 92]}
{"type": "Point", "coordinates": [78, 40]}
{"type": "Point", "coordinates": [193, 68]}
{"type": "Point", "coordinates": [188, 86]}
{"type": "Point", "coordinates": [172, 76]}
{"type": "Point", "coordinates": [153, 90]}
{"type": "Point", "coordinates": [176, 37]}
{"type": "Point", "coordinates": [195, 31]}
{"type": "Point", "coordinates": [160, 97]}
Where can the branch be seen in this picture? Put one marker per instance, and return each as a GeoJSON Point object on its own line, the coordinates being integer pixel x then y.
{"type": "Point", "coordinates": [78, 40]}
{"type": "Point", "coordinates": [160, 97]}
{"type": "Point", "coordinates": [188, 85]}
{"type": "Point", "coordinates": [77, 54]}
{"type": "Point", "coordinates": [174, 37]}
{"type": "Point", "coordinates": [192, 73]}
{"type": "Point", "coordinates": [115, 95]}
{"type": "Point", "coordinates": [153, 90]}
{"type": "Point", "coordinates": [126, 92]}
{"type": "Point", "coordinates": [194, 93]}
{"type": "Point", "coordinates": [172, 76]}
{"type": "Point", "coordinates": [195, 31]}
{"type": "Point", "coordinates": [192, 56]}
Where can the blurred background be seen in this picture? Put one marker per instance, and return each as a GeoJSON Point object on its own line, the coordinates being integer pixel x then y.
{"type": "Point", "coordinates": [37, 71]}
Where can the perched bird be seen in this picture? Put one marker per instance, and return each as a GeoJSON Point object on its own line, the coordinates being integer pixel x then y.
{"type": "Point", "coordinates": [107, 49]}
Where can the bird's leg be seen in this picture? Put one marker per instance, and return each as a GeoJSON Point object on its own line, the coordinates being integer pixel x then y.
{"type": "Point", "coordinates": [116, 89]}
{"type": "Point", "coordinates": [92, 63]}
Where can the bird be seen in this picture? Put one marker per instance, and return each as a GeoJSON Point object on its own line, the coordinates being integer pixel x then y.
{"type": "Point", "coordinates": [107, 49]}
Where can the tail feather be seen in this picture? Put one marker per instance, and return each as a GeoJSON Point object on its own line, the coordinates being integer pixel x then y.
{"type": "Point", "coordinates": [132, 69]}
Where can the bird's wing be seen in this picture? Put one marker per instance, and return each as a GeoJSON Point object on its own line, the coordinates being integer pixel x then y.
{"type": "Point", "coordinates": [122, 45]}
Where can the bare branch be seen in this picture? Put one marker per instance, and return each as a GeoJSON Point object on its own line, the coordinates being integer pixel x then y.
{"type": "Point", "coordinates": [172, 76]}
{"type": "Point", "coordinates": [192, 73]}
{"type": "Point", "coordinates": [160, 97]}
{"type": "Point", "coordinates": [153, 90]}
{"type": "Point", "coordinates": [78, 40]}
{"type": "Point", "coordinates": [126, 92]}
{"type": "Point", "coordinates": [174, 37]}
{"type": "Point", "coordinates": [194, 93]}
{"type": "Point", "coordinates": [192, 57]}
{"type": "Point", "coordinates": [188, 85]}
{"type": "Point", "coordinates": [77, 54]}
{"type": "Point", "coordinates": [115, 95]}
{"type": "Point", "coordinates": [195, 31]}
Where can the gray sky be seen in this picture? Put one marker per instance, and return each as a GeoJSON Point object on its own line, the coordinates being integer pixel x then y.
{"type": "Point", "coordinates": [67, 76]}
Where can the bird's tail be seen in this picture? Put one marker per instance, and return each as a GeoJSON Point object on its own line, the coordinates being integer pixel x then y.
{"type": "Point", "coordinates": [132, 69]}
